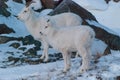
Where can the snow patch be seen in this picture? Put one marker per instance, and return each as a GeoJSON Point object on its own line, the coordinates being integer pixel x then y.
{"type": "Point", "coordinates": [91, 22]}
{"type": "Point", "coordinates": [100, 5]}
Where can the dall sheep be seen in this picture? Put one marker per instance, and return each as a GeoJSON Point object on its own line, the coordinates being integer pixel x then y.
{"type": "Point", "coordinates": [32, 22]}
{"type": "Point", "coordinates": [68, 39]}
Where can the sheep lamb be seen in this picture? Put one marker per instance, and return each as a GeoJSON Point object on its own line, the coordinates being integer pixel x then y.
{"type": "Point", "coordinates": [32, 22]}
{"type": "Point", "coordinates": [68, 39]}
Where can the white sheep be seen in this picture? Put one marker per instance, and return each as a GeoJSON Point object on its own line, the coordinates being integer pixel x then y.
{"type": "Point", "coordinates": [32, 22]}
{"type": "Point", "coordinates": [68, 39]}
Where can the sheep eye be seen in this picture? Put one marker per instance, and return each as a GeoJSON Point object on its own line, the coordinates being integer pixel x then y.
{"type": "Point", "coordinates": [46, 27]}
{"type": "Point", "coordinates": [25, 11]}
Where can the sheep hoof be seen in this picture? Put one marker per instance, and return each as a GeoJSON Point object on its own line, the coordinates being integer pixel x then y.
{"type": "Point", "coordinates": [46, 60]}
{"type": "Point", "coordinates": [64, 71]}
{"type": "Point", "coordinates": [42, 57]}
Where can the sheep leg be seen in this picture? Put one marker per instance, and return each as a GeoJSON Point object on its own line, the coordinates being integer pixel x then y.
{"type": "Point", "coordinates": [45, 51]}
{"type": "Point", "coordinates": [69, 60]}
{"type": "Point", "coordinates": [77, 54]}
{"type": "Point", "coordinates": [65, 57]}
{"type": "Point", "coordinates": [85, 59]}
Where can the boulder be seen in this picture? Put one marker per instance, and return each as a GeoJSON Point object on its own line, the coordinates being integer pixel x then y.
{"type": "Point", "coordinates": [4, 29]}
{"type": "Point", "coordinates": [3, 10]}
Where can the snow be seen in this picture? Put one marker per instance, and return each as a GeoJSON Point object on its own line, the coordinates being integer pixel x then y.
{"type": "Point", "coordinates": [19, 27]}
{"type": "Point", "coordinates": [44, 12]}
{"type": "Point", "coordinates": [36, 4]}
{"type": "Point", "coordinates": [106, 14]}
{"type": "Point", "coordinates": [107, 67]}
{"type": "Point", "coordinates": [109, 17]}
{"type": "Point", "coordinates": [98, 46]}
{"type": "Point", "coordinates": [13, 8]}
{"type": "Point", "coordinates": [91, 22]}
{"type": "Point", "coordinates": [100, 5]}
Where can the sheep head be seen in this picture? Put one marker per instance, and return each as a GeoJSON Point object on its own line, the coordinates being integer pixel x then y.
{"type": "Point", "coordinates": [26, 12]}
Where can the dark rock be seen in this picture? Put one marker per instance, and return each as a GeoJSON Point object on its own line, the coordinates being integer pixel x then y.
{"type": "Point", "coordinates": [5, 30]}
{"type": "Point", "coordinates": [112, 40]}
{"type": "Point", "coordinates": [98, 78]}
{"type": "Point", "coordinates": [71, 6]}
{"type": "Point", "coordinates": [11, 58]}
{"type": "Point", "coordinates": [4, 39]}
{"type": "Point", "coordinates": [107, 1]}
{"type": "Point", "coordinates": [18, 1]}
{"type": "Point", "coordinates": [4, 0]}
{"type": "Point", "coordinates": [37, 45]}
{"type": "Point", "coordinates": [8, 52]}
{"type": "Point", "coordinates": [51, 55]}
{"type": "Point", "coordinates": [116, 0]}
{"type": "Point", "coordinates": [52, 60]}
{"type": "Point", "coordinates": [2, 4]}
{"type": "Point", "coordinates": [28, 40]}
{"type": "Point", "coordinates": [32, 61]}
{"type": "Point", "coordinates": [56, 3]}
{"type": "Point", "coordinates": [22, 48]}
{"type": "Point", "coordinates": [118, 78]}
{"type": "Point", "coordinates": [3, 10]}
{"type": "Point", "coordinates": [15, 45]}
{"type": "Point", "coordinates": [107, 51]}
{"type": "Point", "coordinates": [31, 53]}
{"type": "Point", "coordinates": [60, 55]}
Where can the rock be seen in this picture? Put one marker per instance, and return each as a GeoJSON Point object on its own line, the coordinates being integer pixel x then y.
{"type": "Point", "coordinates": [18, 1]}
{"type": "Point", "coordinates": [11, 58]}
{"type": "Point", "coordinates": [22, 48]}
{"type": "Point", "coordinates": [3, 10]}
{"type": "Point", "coordinates": [4, 29]}
{"type": "Point", "coordinates": [49, 4]}
{"type": "Point", "coordinates": [99, 77]}
{"type": "Point", "coordinates": [107, 51]}
{"type": "Point", "coordinates": [15, 45]}
{"type": "Point", "coordinates": [116, 0]}
{"type": "Point", "coordinates": [11, 53]}
{"type": "Point", "coordinates": [37, 45]}
{"type": "Point", "coordinates": [30, 53]}
{"type": "Point", "coordinates": [4, 39]}
{"type": "Point", "coordinates": [28, 40]}
{"type": "Point", "coordinates": [118, 78]}
{"type": "Point", "coordinates": [107, 1]}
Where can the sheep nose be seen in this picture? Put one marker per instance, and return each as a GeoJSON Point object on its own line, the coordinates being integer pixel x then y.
{"type": "Point", "coordinates": [16, 16]}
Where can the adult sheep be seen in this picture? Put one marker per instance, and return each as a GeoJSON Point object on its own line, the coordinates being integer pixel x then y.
{"type": "Point", "coordinates": [32, 22]}
{"type": "Point", "coordinates": [69, 39]}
